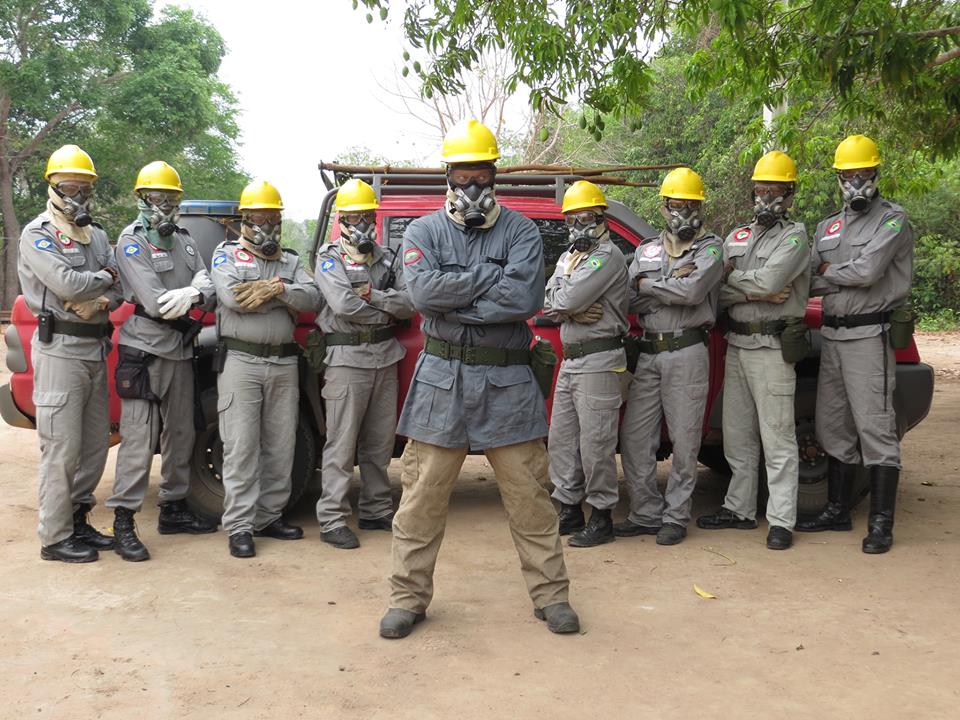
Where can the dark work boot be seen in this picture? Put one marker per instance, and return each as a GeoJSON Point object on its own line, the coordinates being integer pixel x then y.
{"type": "Point", "coordinates": [126, 543]}
{"type": "Point", "coordinates": [176, 517]}
{"type": "Point", "coordinates": [835, 515]}
{"type": "Point", "coordinates": [86, 533]}
{"type": "Point", "coordinates": [398, 623]}
{"type": "Point", "coordinates": [571, 518]}
{"type": "Point", "coordinates": [380, 523]}
{"type": "Point", "coordinates": [342, 538]}
{"type": "Point", "coordinates": [597, 532]}
{"type": "Point", "coordinates": [281, 530]}
{"type": "Point", "coordinates": [241, 545]}
{"type": "Point", "coordinates": [71, 550]}
{"type": "Point", "coordinates": [560, 618]}
{"type": "Point", "coordinates": [724, 518]}
{"type": "Point", "coordinates": [883, 500]}
{"type": "Point", "coordinates": [628, 528]}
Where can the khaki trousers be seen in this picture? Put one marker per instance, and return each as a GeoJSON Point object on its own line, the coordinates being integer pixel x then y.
{"type": "Point", "coordinates": [428, 473]}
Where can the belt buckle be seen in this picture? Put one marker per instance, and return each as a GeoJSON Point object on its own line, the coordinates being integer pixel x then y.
{"type": "Point", "coordinates": [468, 354]}
{"type": "Point", "coordinates": [444, 350]}
{"type": "Point", "coordinates": [841, 321]}
{"type": "Point", "coordinates": [364, 336]}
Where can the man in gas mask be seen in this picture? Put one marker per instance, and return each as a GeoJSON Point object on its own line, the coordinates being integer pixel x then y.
{"type": "Point", "coordinates": [862, 260]}
{"type": "Point", "coordinates": [474, 270]}
{"type": "Point", "coordinates": [261, 289]}
{"type": "Point", "coordinates": [365, 297]}
{"type": "Point", "coordinates": [164, 277]}
{"type": "Point", "coordinates": [674, 282]}
{"type": "Point", "coordinates": [767, 281]}
{"type": "Point", "coordinates": [69, 282]}
{"type": "Point", "coordinates": [588, 295]}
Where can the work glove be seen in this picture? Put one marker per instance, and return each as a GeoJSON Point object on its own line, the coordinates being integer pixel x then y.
{"type": "Point", "coordinates": [88, 308]}
{"type": "Point", "coordinates": [177, 303]}
{"type": "Point", "coordinates": [683, 271]}
{"type": "Point", "coordinates": [589, 316]}
{"type": "Point", "coordinates": [363, 290]}
{"type": "Point", "coordinates": [114, 275]}
{"type": "Point", "coordinates": [777, 298]}
{"type": "Point", "coordinates": [254, 293]}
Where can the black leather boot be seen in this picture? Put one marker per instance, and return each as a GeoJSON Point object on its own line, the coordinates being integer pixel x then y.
{"type": "Point", "coordinates": [126, 543]}
{"type": "Point", "coordinates": [835, 515]}
{"type": "Point", "coordinates": [71, 550]}
{"type": "Point", "coordinates": [176, 517]}
{"type": "Point", "coordinates": [597, 532]}
{"type": "Point", "coordinates": [883, 500]}
{"type": "Point", "coordinates": [86, 533]}
{"type": "Point", "coordinates": [571, 518]}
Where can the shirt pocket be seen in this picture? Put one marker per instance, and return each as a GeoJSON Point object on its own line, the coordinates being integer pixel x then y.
{"type": "Point", "coordinates": [509, 400]}
{"type": "Point", "coordinates": [453, 257]}
{"type": "Point", "coordinates": [161, 261]}
{"type": "Point", "coordinates": [828, 244]}
{"type": "Point", "coordinates": [433, 396]}
{"type": "Point", "coordinates": [248, 271]}
{"type": "Point", "coordinates": [735, 252]}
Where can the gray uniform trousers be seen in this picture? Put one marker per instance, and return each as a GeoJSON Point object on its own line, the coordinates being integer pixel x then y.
{"type": "Point", "coordinates": [851, 405]}
{"type": "Point", "coordinates": [583, 438]}
{"type": "Point", "coordinates": [671, 385]}
{"type": "Point", "coordinates": [172, 382]}
{"type": "Point", "coordinates": [257, 403]}
{"type": "Point", "coordinates": [73, 423]}
{"type": "Point", "coordinates": [361, 414]}
{"type": "Point", "coordinates": [758, 407]}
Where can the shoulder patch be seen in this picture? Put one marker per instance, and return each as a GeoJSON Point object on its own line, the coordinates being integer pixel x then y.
{"type": "Point", "coordinates": [243, 256]}
{"type": "Point", "coordinates": [64, 240]}
{"type": "Point", "coordinates": [835, 227]}
{"type": "Point", "coordinates": [411, 256]}
{"type": "Point", "coordinates": [894, 224]}
{"type": "Point", "coordinates": [741, 236]}
{"type": "Point", "coordinates": [652, 251]}
{"type": "Point", "coordinates": [189, 250]}
{"type": "Point", "coordinates": [596, 262]}
{"type": "Point", "coordinates": [131, 249]}
{"type": "Point", "coordinates": [795, 241]}
{"type": "Point", "coordinates": [327, 265]}
{"type": "Point", "coordinates": [219, 259]}
{"type": "Point", "coordinates": [714, 251]}
{"type": "Point", "coordinates": [43, 244]}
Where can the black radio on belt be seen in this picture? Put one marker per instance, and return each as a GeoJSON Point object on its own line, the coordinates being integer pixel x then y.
{"type": "Point", "coordinates": [44, 321]}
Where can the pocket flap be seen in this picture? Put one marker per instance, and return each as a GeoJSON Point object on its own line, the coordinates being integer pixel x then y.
{"type": "Point", "coordinates": [436, 377]}
{"type": "Point", "coordinates": [738, 250]}
{"type": "Point", "coordinates": [780, 388]}
{"type": "Point", "coordinates": [828, 242]}
{"type": "Point", "coordinates": [50, 399]}
{"type": "Point", "coordinates": [330, 391]}
{"type": "Point", "coordinates": [604, 402]}
{"type": "Point", "coordinates": [509, 375]}
{"type": "Point", "coordinates": [224, 401]}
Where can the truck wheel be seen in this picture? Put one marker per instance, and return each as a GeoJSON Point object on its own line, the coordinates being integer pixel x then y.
{"type": "Point", "coordinates": [812, 493]}
{"type": "Point", "coordinates": [206, 468]}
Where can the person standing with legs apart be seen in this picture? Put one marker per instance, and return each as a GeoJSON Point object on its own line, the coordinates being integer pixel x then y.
{"type": "Point", "coordinates": [261, 289]}
{"type": "Point", "coordinates": [765, 290]}
{"type": "Point", "coordinates": [164, 277]}
{"type": "Point", "coordinates": [674, 282]}
{"type": "Point", "coordinates": [588, 295]}
{"type": "Point", "coordinates": [69, 282]}
{"type": "Point", "coordinates": [365, 296]}
{"type": "Point", "coordinates": [862, 260]}
{"type": "Point", "coordinates": [474, 270]}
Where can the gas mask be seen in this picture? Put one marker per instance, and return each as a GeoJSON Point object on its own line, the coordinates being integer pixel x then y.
{"type": "Point", "coordinates": [683, 217]}
{"type": "Point", "coordinates": [76, 199]}
{"type": "Point", "coordinates": [859, 187]}
{"type": "Point", "coordinates": [586, 228]}
{"type": "Point", "coordinates": [472, 192]}
{"type": "Point", "coordinates": [360, 230]}
{"type": "Point", "coordinates": [771, 202]}
{"type": "Point", "coordinates": [263, 230]}
{"type": "Point", "coordinates": [162, 209]}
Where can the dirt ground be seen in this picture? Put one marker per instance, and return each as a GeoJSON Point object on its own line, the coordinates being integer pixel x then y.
{"type": "Point", "coordinates": [819, 631]}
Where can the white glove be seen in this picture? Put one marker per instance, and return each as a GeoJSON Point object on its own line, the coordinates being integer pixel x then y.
{"type": "Point", "coordinates": [177, 303]}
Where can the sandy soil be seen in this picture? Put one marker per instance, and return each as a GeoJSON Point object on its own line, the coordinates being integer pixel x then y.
{"type": "Point", "coordinates": [820, 631]}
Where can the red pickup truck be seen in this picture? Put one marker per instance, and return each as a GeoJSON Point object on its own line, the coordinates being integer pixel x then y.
{"type": "Point", "coordinates": [404, 197]}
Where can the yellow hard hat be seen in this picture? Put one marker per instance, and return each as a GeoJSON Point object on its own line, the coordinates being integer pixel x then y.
{"type": "Point", "coordinates": [582, 194]}
{"type": "Point", "coordinates": [469, 141]}
{"type": "Point", "coordinates": [857, 151]}
{"type": "Point", "coordinates": [355, 196]}
{"type": "Point", "coordinates": [682, 183]}
{"type": "Point", "coordinates": [158, 175]}
{"type": "Point", "coordinates": [260, 195]}
{"type": "Point", "coordinates": [70, 159]}
{"type": "Point", "coordinates": [775, 166]}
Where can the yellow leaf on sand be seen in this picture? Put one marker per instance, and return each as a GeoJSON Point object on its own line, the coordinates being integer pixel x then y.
{"type": "Point", "coordinates": [703, 593]}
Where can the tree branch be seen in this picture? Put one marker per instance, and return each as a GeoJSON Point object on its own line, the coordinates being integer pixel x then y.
{"type": "Point", "coordinates": [943, 58]}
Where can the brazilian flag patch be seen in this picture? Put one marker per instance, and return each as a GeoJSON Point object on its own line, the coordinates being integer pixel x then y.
{"type": "Point", "coordinates": [894, 224]}
{"type": "Point", "coordinates": [794, 240]}
{"type": "Point", "coordinates": [714, 251]}
{"type": "Point", "coordinates": [596, 262]}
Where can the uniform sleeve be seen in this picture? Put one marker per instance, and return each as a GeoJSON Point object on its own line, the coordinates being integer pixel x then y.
{"type": "Point", "coordinates": [818, 286]}
{"type": "Point", "coordinates": [208, 293]}
{"type": "Point", "coordinates": [433, 290]}
{"type": "Point", "coordinates": [340, 296]}
{"type": "Point", "coordinates": [55, 272]}
{"type": "Point", "coordinates": [395, 299]}
{"type": "Point", "coordinates": [576, 292]}
{"type": "Point", "coordinates": [115, 292]}
{"type": "Point", "coordinates": [139, 279]}
{"type": "Point", "coordinates": [637, 303]}
{"type": "Point", "coordinates": [302, 294]}
{"type": "Point", "coordinates": [730, 296]}
{"type": "Point", "coordinates": [788, 260]}
{"type": "Point", "coordinates": [692, 289]}
{"type": "Point", "coordinates": [552, 285]}
{"type": "Point", "coordinates": [865, 270]}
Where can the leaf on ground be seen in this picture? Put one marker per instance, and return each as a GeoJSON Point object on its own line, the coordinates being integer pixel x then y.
{"type": "Point", "coordinates": [703, 593]}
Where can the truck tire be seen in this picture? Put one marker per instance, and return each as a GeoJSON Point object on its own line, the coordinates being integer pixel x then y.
{"type": "Point", "coordinates": [206, 468]}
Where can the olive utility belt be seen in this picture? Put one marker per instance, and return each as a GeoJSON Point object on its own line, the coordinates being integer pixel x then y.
{"type": "Point", "coordinates": [473, 355]}
{"type": "Point", "coordinates": [281, 350]}
{"type": "Point", "coordinates": [572, 351]}
{"type": "Point", "coordinates": [652, 343]}
{"type": "Point", "coordinates": [363, 337]}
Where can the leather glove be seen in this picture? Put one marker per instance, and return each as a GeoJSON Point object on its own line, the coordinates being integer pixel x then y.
{"type": "Point", "coordinates": [589, 316]}
{"type": "Point", "coordinates": [112, 273]}
{"type": "Point", "coordinates": [777, 298]}
{"type": "Point", "coordinates": [682, 272]}
{"type": "Point", "coordinates": [254, 293]}
{"type": "Point", "coordinates": [363, 290]}
{"type": "Point", "coordinates": [177, 303]}
{"type": "Point", "coordinates": [88, 308]}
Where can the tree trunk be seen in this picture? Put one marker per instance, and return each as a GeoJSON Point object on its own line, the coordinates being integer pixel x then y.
{"type": "Point", "coordinates": [9, 282]}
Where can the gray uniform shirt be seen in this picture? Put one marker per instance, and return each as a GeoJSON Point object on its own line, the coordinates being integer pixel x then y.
{"type": "Point", "coordinates": [871, 264]}
{"type": "Point", "coordinates": [474, 287]}
{"type": "Point", "coordinates": [665, 303]}
{"type": "Point", "coordinates": [601, 278]}
{"type": "Point", "coordinates": [274, 321]}
{"type": "Point", "coordinates": [67, 270]}
{"type": "Point", "coordinates": [765, 261]}
{"type": "Point", "coordinates": [345, 311]}
{"type": "Point", "coordinates": [146, 273]}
